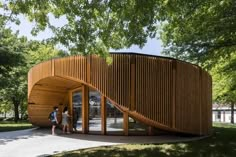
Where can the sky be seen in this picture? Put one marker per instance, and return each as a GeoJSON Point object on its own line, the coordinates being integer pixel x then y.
{"type": "Point", "coordinates": [153, 46]}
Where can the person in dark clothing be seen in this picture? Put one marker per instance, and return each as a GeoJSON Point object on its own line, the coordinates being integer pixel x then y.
{"type": "Point", "coordinates": [53, 119]}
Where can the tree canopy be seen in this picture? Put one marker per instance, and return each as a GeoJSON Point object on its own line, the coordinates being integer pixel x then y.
{"type": "Point", "coordinates": [11, 48]}
{"type": "Point", "coordinates": [224, 85]}
{"type": "Point", "coordinates": [200, 30]}
{"type": "Point", "coordinates": [190, 29]}
{"type": "Point", "coordinates": [94, 26]}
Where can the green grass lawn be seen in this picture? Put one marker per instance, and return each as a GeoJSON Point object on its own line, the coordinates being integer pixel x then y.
{"type": "Point", "coordinates": [221, 144]}
{"type": "Point", "coordinates": [12, 126]}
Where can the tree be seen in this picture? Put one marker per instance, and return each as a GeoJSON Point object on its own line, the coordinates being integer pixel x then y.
{"type": "Point", "coordinates": [11, 58]}
{"type": "Point", "coordinates": [224, 83]}
{"type": "Point", "coordinates": [41, 51]}
{"type": "Point", "coordinates": [94, 26]}
{"type": "Point", "coordinates": [16, 89]}
{"type": "Point", "coordinates": [5, 107]}
{"type": "Point", "coordinates": [10, 51]}
{"type": "Point", "coordinates": [190, 29]}
{"type": "Point", "coordinates": [200, 30]}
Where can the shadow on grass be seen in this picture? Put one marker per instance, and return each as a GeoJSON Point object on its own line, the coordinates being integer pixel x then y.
{"type": "Point", "coordinates": [221, 144]}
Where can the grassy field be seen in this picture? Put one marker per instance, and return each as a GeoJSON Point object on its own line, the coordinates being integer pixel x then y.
{"type": "Point", "coordinates": [12, 126]}
{"type": "Point", "coordinates": [221, 144]}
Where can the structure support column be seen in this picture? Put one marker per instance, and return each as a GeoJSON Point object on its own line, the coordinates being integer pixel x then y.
{"type": "Point", "coordinates": [85, 108]}
{"type": "Point", "coordinates": [126, 123]}
{"type": "Point", "coordinates": [70, 110]}
{"type": "Point", "coordinates": [103, 114]}
{"type": "Point", "coordinates": [150, 131]}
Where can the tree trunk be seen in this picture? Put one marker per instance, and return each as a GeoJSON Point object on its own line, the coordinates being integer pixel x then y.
{"type": "Point", "coordinates": [21, 111]}
{"type": "Point", "coordinates": [232, 113]}
{"type": "Point", "coordinates": [16, 111]}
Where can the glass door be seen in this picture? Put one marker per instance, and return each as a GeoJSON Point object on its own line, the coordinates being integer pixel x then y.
{"type": "Point", "coordinates": [95, 126]}
{"type": "Point", "coordinates": [77, 110]}
{"type": "Point", "coordinates": [114, 119]}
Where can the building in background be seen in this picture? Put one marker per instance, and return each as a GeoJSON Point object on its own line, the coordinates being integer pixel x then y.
{"type": "Point", "coordinates": [222, 113]}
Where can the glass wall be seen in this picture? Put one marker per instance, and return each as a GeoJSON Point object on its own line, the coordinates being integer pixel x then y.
{"type": "Point", "coordinates": [94, 112]}
{"type": "Point", "coordinates": [114, 119]}
{"type": "Point", "coordinates": [77, 111]}
{"type": "Point", "coordinates": [136, 128]}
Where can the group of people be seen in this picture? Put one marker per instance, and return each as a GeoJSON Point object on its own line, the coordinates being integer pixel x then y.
{"type": "Point", "coordinates": [65, 120]}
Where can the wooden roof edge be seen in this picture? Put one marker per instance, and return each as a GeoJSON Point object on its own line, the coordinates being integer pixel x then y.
{"type": "Point", "coordinates": [128, 53]}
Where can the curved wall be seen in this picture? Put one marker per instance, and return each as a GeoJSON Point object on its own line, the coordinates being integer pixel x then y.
{"type": "Point", "coordinates": [160, 92]}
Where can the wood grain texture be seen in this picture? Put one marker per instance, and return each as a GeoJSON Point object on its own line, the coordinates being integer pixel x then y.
{"type": "Point", "coordinates": [160, 92]}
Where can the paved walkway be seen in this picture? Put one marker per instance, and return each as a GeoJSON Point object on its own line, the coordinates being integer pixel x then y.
{"type": "Point", "coordinates": [39, 142]}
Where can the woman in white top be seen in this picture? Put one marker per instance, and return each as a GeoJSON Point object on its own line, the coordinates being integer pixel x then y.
{"type": "Point", "coordinates": [65, 120]}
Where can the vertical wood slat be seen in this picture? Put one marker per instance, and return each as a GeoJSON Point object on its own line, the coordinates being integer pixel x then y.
{"type": "Point", "coordinates": [126, 123]}
{"type": "Point", "coordinates": [85, 108]}
{"type": "Point", "coordinates": [70, 94]}
{"type": "Point", "coordinates": [150, 131]}
{"type": "Point", "coordinates": [132, 81]}
{"type": "Point", "coordinates": [174, 94]}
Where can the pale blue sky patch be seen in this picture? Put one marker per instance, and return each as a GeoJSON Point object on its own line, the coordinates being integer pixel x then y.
{"type": "Point", "coordinates": [153, 46]}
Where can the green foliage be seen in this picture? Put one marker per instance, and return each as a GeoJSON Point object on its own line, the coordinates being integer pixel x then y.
{"type": "Point", "coordinates": [199, 30]}
{"type": "Point", "coordinates": [94, 27]}
{"type": "Point", "coordinates": [10, 126]}
{"type": "Point", "coordinates": [11, 48]}
{"type": "Point", "coordinates": [5, 107]}
{"type": "Point", "coordinates": [193, 30]}
{"type": "Point", "coordinates": [39, 51]}
{"type": "Point", "coordinates": [224, 84]}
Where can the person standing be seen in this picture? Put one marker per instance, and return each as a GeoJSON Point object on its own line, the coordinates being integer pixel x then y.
{"type": "Point", "coordinates": [53, 119]}
{"type": "Point", "coordinates": [65, 120]}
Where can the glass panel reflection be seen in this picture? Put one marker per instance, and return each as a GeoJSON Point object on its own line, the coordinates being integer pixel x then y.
{"type": "Point", "coordinates": [114, 119]}
{"type": "Point", "coordinates": [77, 111]}
{"type": "Point", "coordinates": [136, 128]}
{"type": "Point", "coordinates": [94, 112]}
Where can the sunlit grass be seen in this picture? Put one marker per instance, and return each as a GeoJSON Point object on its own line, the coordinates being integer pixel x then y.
{"type": "Point", "coordinates": [12, 126]}
{"type": "Point", "coordinates": [221, 144]}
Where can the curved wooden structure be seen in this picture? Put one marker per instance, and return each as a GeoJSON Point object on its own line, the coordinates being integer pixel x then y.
{"type": "Point", "coordinates": [160, 92]}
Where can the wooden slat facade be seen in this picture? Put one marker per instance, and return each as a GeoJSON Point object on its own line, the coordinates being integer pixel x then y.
{"type": "Point", "coordinates": [160, 92]}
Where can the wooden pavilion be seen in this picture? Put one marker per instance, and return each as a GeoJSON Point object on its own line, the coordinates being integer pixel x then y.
{"type": "Point", "coordinates": [155, 92]}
